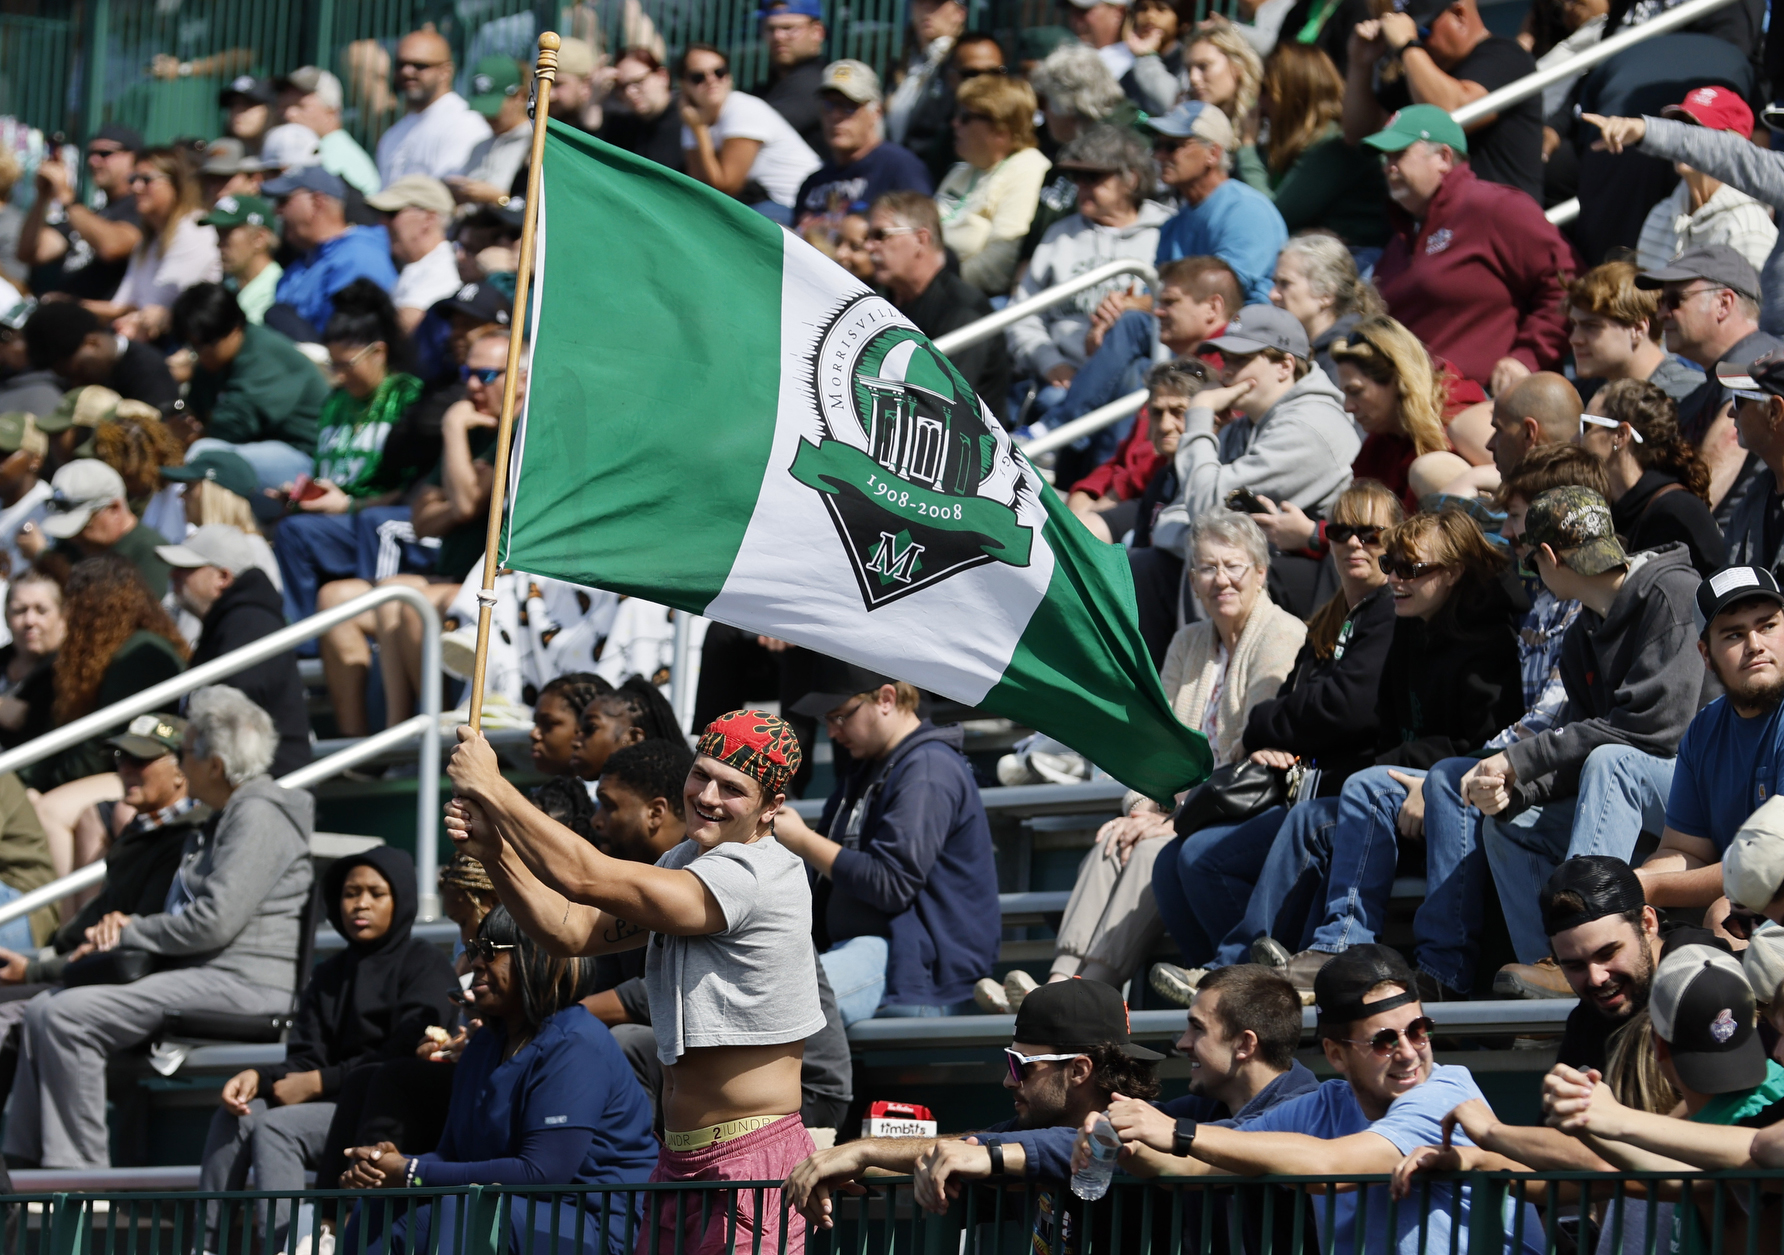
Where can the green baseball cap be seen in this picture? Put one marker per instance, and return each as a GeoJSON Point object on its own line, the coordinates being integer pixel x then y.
{"type": "Point", "coordinates": [235, 211]}
{"type": "Point", "coordinates": [1576, 523]}
{"type": "Point", "coordinates": [150, 737]}
{"type": "Point", "coordinates": [493, 80]}
{"type": "Point", "coordinates": [18, 430]}
{"type": "Point", "coordinates": [220, 467]}
{"type": "Point", "coordinates": [1416, 122]}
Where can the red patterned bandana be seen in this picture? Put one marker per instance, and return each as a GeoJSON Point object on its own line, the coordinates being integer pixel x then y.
{"type": "Point", "coordinates": [760, 745]}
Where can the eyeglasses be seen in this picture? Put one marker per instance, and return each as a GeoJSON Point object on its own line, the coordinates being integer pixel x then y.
{"type": "Point", "coordinates": [103, 153]}
{"type": "Point", "coordinates": [1018, 1060]}
{"type": "Point", "coordinates": [876, 235]}
{"type": "Point", "coordinates": [1742, 922]}
{"type": "Point", "coordinates": [485, 949]}
{"type": "Point", "coordinates": [697, 77]}
{"type": "Point", "coordinates": [1670, 299]}
{"type": "Point", "coordinates": [1387, 1040]}
{"type": "Point", "coordinates": [1402, 569]}
{"type": "Point", "coordinates": [1598, 420]}
{"type": "Point", "coordinates": [842, 716]}
{"type": "Point", "coordinates": [1235, 571]}
{"type": "Point", "coordinates": [1341, 533]}
{"type": "Point", "coordinates": [484, 375]}
{"type": "Point", "coordinates": [966, 76]}
{"type": "Point", "coordinates": [353, 361]}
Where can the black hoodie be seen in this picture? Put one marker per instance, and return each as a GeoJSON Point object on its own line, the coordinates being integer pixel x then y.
{"type": "Point", "coordinates": [370, 1003]}
{"type": "Point", "coordinates": [248, 610]}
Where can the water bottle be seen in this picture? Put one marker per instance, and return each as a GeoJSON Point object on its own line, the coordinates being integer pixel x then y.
{"type": "Point", "coordinates": [1091, 1181]}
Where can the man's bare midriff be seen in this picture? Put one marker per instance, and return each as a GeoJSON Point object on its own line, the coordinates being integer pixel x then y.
{"type": "Point", "coordinates": [714, 1084]}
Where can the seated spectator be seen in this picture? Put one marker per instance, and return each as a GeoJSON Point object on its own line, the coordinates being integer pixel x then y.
{"type": "Point", "coordinates": [135, 442]}
{"type": "Point", "coordinates": [735, 142]}
{"type": "Point", "coordinates": [1317, 179]}
{"type": "Point", "coordinates": [75, 249]}
{"type": "Point", "coordinates": [921, 105]}
{"type": "Point", "coordinates": [416, 210]}
{"type": "Point", "coordinates": [647, 125]}
{"type": "Point", "coordinates": [38, 625]}
{"type": "Point", "coordinates": [438, 129]}
{"type": "Point", "coordinates": [246, 243]}
{"type": "Point", "coordinates": [216, 577]}
{"type": "Point", "coordinates": [1295, 443]}
{"type": "Point", "coordinates": [1316, 280]}
{"type": "Point", "coordinates": [907, 883]}
{"type": "Point", "coordinates": [1222, 69]}
{"type": "Point", "coordinates": [24, 494]}
{"type": "Point", "coordinates": [371, 1002]}
{"type": "Point", "coordinates": [1489, 297]}
{"type": "Point", "coordinates": [1446, 57]}
{"type": "Point", "coordinates": [69, 340]}
{"type": "Point", "coordinates": [862, 166]}
{"type": "Point", "coordinates": [793, 31]}
{"type": "Point", "coordinates": [499, 93]}
{"type": "Point", "coordinates": [557, 721]}
{"type": "Point", "coordinates": [1704, 210]}
{"type": "Point", "coordinates": [312, 97]}
{"type": "Point", "coordinates": [1399, 397]}
{"type": "Point", "coordinates": [1098, 25]}
{"type": "Point", "coordinates": [24, 387]}
{"type": "Point", "coordinates": [240, 893]}
{"type": "Point", "coordinates": [1614, 330]}
{"type": "Point", "coordinates": [90, 515]}
{"type": "Point", "coordinates": [1076, 91]}
{"type": "Point", "coordinates": [253, 393]}
{"type": "Point", "coordinates": [615, 718]}
{"type": "Point", "coordinates": [1757, 390]}
{"type": "Point", "coordinates": [1169, 387]}
{"type": "Point", "coordinates": [219, 487]}
{"type": "Point", "coordinates": [1116, 221]}
{"type": "Point", "coordinates": [228, 169]}
{"type": "Point", "coordinates": [541, 1095]}
{"type": "Point", "coordinates": [1324, 712]}
{"type": "Point", "coordinates": [1221, 216]}
{"type": "Point", "coordinates": [1215, 674]}
{"type": "Point", "coordinates": [1659, 487]}
{"type": "Point", "coordinates": [331, 254]}
{"type": "Point", "coordinates": [249, 102]}
{"type": "Point", "coordinates": [987, 201]}
{"type": "Point", "coordinates": [910, 262]}
{"type": "Point", "coordinates": [176, 251]}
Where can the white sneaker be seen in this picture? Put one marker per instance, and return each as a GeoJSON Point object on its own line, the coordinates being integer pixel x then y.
{"type": "Point", "coordinates": [1017, 986]}
{"type": "Point", "coordinates": [989, 995]}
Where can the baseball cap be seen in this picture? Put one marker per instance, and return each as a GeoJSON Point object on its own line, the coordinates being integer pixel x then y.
{"type": "Point", "coordinates": [123, 136]}
{"type": "Point", "coordinates": [1091, 4]}
{"type": "Point", "coordinates": [413, 191]}
{"type": "Point", "coordinates": [493, 80]}
{"type": "Point", "coordinates": [289, 146]}
{"type": "Point", "coordinates": [1576, 523]}
{"type": "Point", "coordinates": [1731, 584]}
{"type": "Point", "coordinates": [18, 430]}
{"type": "Point", "coordinates": [1702, 1008]}
{"type": "Point", "coordinates": [804, 8]}
{"type": "Point", "coordinates": [312, 79]}
{"type": "Point", "coordinates": [1075, 1015]}
{"type": "Point", "coordinates": [15, 318]}
{"type": "Point", "coordinates": [256, 90]}
{"type": "Point", "coordinates": [236, 211]}
{"type": "Point", "coordinates": [80, 407]}
{"type": "Point", "coordinates": [1763, 961]}
{"type": "Point", "coordinates": [1259, 327]}
{"type": "Point", "coordinates": [576, 57]}
{"type": "Point", "coordinates": [214, 544]}
{"type": "Point", "coordinates": [1340, 986]}
{"type": "Point", "coordinates": [1194, 119]}
{"type": "Point", "coordinates": [834, 683]}
{"type": "Point", "coordinates": [1714, 107]}
{"type": "Point", "coordinates": [79, 490]}
{"type": "Point", "coordinates": [228, 156]}
{"type": "Point", "coordinates": [309, 179]}
{"type": "Point", "coordinates": [482, 301]}
{"type": "Point", "coordinates": [148, 737]}
{"type": "Point", "coordinates": [1753, 367]}
{"type": "Point", "coordinates": [1753, 863]}
{"type": "Point", "coordinates": [1416, 122]}
{"type": "Point", "coordinates": [854, 79]}
{"type": "Point", "coordinates": [1604, 886]}
{"type": "Point", "coordinates": [221, 467]}
{"type": "Point", "coordinates": [1716, 263]}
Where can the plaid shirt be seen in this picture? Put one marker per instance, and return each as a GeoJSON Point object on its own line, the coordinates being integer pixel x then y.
{"type": "Point", "coordinates": [1539, 660]}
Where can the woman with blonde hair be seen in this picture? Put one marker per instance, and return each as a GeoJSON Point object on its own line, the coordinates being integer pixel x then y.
{"type": "Point", "coordinates": [219, 488]}
{"type": "Point", "coordinates": [1398, 396]}
{"type": "Point", "coordinates": [176, 252]}
{"type": "Point", "coordinates": [987, 201]}
{"type": "Point", "coordinates": [1224, 71]}
{"type": "Point", "coordinates": [1315, 178]}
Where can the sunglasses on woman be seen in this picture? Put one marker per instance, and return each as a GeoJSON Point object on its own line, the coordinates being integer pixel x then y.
{"type": "Point", "coordinates": [1387, 1040]}
{"type": "Point", "coordinates": [1403, 569]}
{"type": "Point", "coordinates": [1019, 1061]}
{"type": "Point", "coordinates": [1342, 533]}
{"type": "Point", "coordinates": [698, 77]}
{"type": "Point", "coordinates": [485, 949]}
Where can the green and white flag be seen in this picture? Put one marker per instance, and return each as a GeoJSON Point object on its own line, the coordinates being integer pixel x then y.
{"type": "Point", "coordinates": [723, 420]}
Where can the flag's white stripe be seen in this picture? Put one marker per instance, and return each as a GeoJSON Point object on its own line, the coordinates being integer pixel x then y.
{"type": "Point", "coordinates": [535, 298]}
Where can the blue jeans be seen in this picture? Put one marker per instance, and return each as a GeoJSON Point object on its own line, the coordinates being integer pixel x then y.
{"type": "Point", "coordinates": [1118, 367]}
{"type": "Point", "coordinates": [774, 210]}
{"type": "Point", "coordinates": [313, 549]}
{"type": "Point", "coordinates": [1622, 794]}
{"type": "Point", "coordinates": [1290, 884]}
{"type": "Point", "coordinates": [1446, 927]}
{"type": "Point", "coordinates": [16, 935]}
{"type": "Point", "coordinates": [1203, 882]}
{"type": "Point", "coordinates": [856, 969]}
{"type": "Point", "coordinates": [275, 463]}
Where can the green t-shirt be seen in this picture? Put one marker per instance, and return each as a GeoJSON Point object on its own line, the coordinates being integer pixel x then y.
{"type": "Point", "coordinates": [1756, 1108]}
{"type": "Point", "coordinates": [350, 438]}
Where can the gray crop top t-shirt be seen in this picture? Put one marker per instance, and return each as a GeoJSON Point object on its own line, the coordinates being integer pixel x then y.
{"type": "Point", "coordinates": [753, 983]}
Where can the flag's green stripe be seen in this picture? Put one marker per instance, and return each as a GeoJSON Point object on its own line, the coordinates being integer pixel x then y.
{"type": "Point", "coordinates": [1083, 636]}
{"type": "Point", "coordinates": [655, 377]}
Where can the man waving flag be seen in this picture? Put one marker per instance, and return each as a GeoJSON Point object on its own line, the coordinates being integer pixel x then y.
{"type": "Point", "coordinates": [723, 420]}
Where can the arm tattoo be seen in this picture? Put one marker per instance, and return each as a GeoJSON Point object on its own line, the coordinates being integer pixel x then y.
{"type": "Point", "coordinates": [620, 931]}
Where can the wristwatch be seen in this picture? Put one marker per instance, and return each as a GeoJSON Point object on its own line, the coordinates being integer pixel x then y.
{"type": "Point", "coordinates": [1183, 1138]}
{"type": "Point", "coordinates": [1410, 45]}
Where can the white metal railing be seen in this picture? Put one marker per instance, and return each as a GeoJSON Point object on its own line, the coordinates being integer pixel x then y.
{"type": "Point", "coordinates": [1564, 213]}
{"type": "Point", "coordinates": [1094, 421]}
{"type": "Point", "coordinates": [988, 326]}
{"type": "Point", "coordinates": [425, 726]}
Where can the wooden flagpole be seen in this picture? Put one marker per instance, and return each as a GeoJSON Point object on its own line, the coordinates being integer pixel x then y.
{"type": "Point", "coordinates": [544, 74]}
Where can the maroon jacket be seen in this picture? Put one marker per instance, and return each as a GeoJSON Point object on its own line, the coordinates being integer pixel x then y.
{"type": "Point", "coordinates": [1481, 278]}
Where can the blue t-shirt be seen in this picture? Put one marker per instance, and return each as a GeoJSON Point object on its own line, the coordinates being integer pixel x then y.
{"type": "Point", "coordinates": [309, 284]}
{"type": "Point", "coordinates": [1239, 225]}
{"type": "Point", "coordinates": [1727, 766]}
{"type": "Point", "coordinates": [888, 168]}
{"type": "Point", "coordinates": [1415, 1119]}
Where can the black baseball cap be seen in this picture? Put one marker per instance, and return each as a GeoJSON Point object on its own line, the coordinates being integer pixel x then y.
{"type": "Point", "coordinates": [1714, 263]}
{"type": "Point", "coordinates": [1753, 368]}
{"type": "Point", "coordinates": [1076, 1014]}
{"type": "Point", "coordinates": [1604, 885]}
{"type": "Point", "coordinates": [1729, 585]}
{"type": "Point", "coordinates": [258, 91]}
{"type": "Point", "coordinates": [1702, 1008]}
{"type": "Point", "coordinates": [1340, 986]}
{"type": "Point", "coordinates": [483, 301]}
{"type": "Point", "coordinates": [834, 682]}
{"type": "Point", "coordinates": [126, 138]}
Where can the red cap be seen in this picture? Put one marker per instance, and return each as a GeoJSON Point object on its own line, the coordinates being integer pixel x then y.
{"type": "Point", "coordinates": [1714, 107]}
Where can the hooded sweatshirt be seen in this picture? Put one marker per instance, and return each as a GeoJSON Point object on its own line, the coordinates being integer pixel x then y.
{"type": "Point", "coordinates": [1632, 678]}
{"type": "Point", "coordinates": [1054, 336]}
{"type": "Point", "coordinates": [238, 897]}
{"type": "Point", "coordinates": [372, 1002]}
{"type": "Point", "coordinates": [248, 610]}
{"type": "Point", "coordinates": [917, 868]}
{"type": "Point", "coordinates": [1299, 451]}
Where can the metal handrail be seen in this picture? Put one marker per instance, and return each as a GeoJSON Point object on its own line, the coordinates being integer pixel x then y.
{"type": "Point", "coordinates": [426, 726]}
{"type": "Point", "coordinates": [1531, 84]}
{"type": "Point", "coordinates": [1563, 213]}
{"type": "Point", "coordinates": [1096, 420]}
{"type": "Point", "coordinates": [988, 326]}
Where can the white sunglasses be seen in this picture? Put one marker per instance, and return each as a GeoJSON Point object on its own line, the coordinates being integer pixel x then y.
{"type": "Point", "coordinates": [1598, 420]}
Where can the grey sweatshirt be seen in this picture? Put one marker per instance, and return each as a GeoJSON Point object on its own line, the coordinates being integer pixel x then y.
{"type": "Point", "coordinates": [1632, 678]}
{"type": "Point", "coordinates": [1759, 172]}
{"type": "Point", "coordinates": [244, 885]}
{"type": "Point", "coordinates": [1299, 451]}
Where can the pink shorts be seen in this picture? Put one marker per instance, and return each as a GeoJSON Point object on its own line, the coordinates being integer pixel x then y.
{"type": "Point", "coordinates": [768, 1154]}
